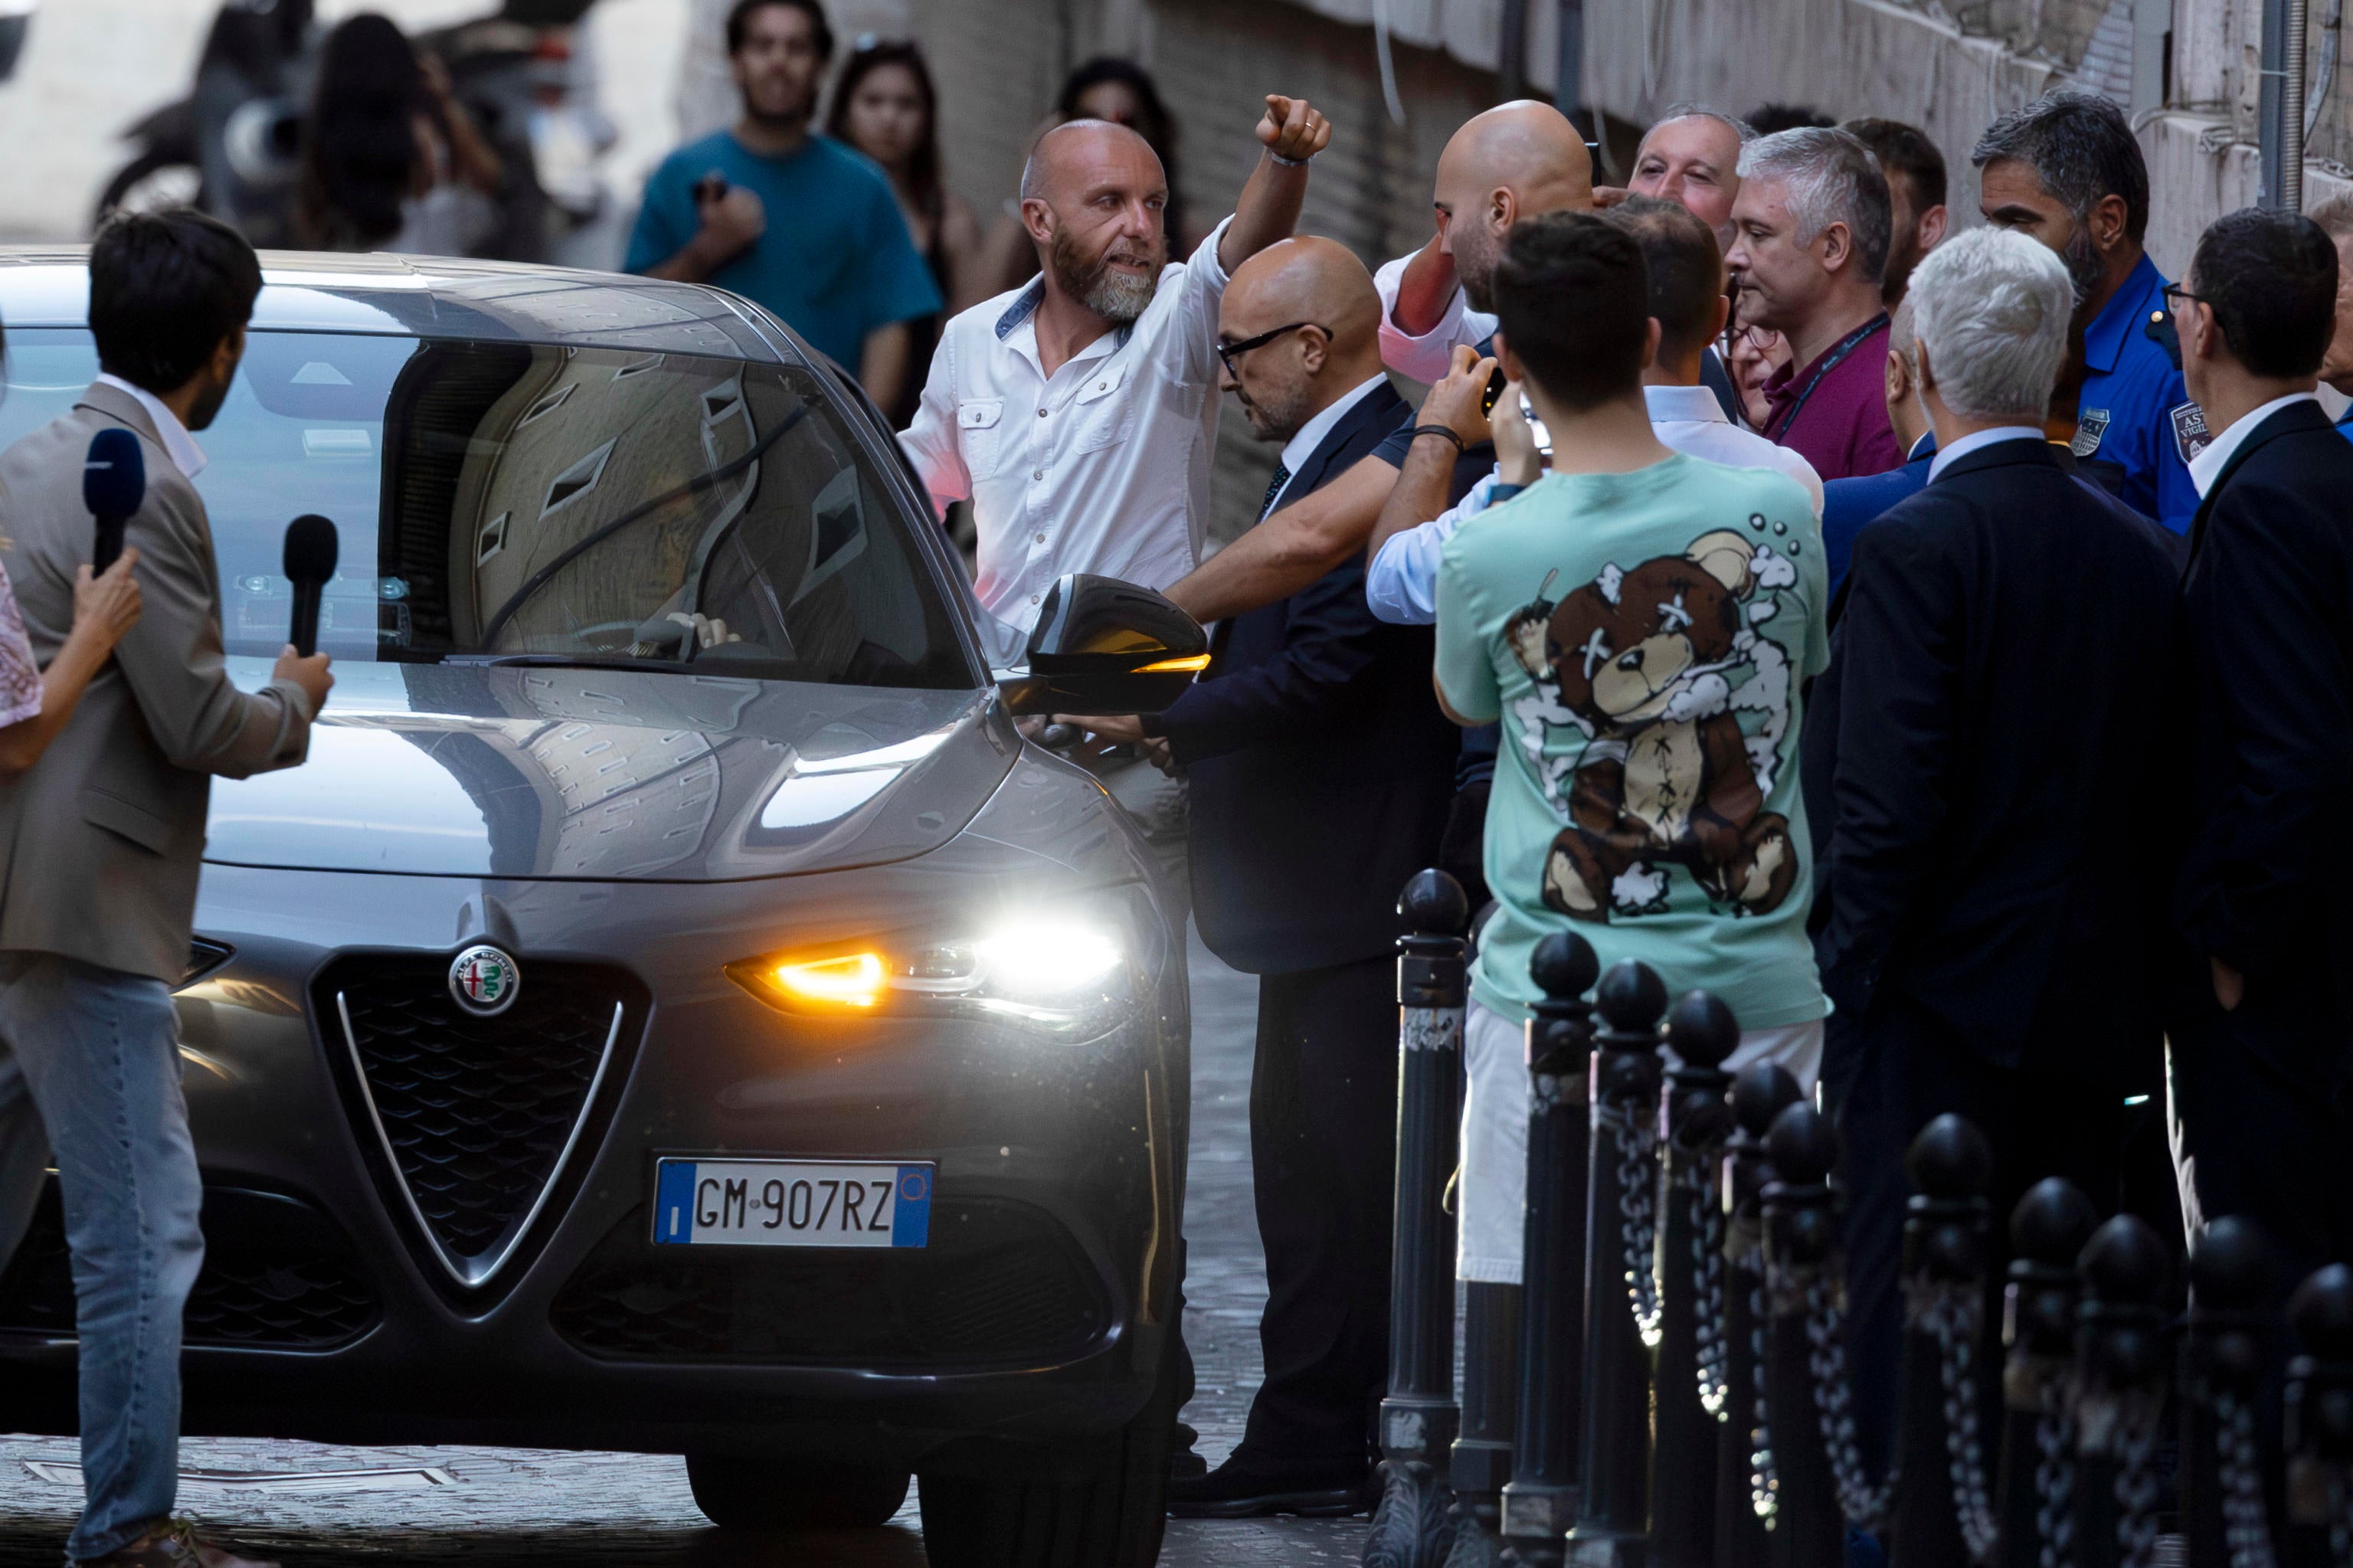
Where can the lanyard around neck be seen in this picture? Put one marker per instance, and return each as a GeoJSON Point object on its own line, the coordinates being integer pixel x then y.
{"type": "Point", "coordinates": [1831, 362]}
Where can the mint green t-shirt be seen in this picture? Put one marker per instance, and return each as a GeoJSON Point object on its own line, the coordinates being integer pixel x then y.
{"type": "Point", "coordinates": [1642, 637]}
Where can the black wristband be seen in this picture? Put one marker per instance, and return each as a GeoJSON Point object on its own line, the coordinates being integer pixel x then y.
{"type": "Point", "coordinates": [1421, 430]}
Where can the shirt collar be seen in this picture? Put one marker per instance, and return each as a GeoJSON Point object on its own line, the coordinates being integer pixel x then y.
{"type": "Point", "coordinates": [2103, 338]}
{"type": "Point", "coordinates": [178, 445]}
{"type": "Point", "coordinates": [1025, 305]}
{"type": "Point", "coordinates": [1977, 440]}
{"type": "Point", "coordinates": [2208, 466]}
{"type": "Point", "coordinates": [1925, 447]}
{"type": "Point", "coordinates": [1683, 405]}
{"type": "Point", "coordinates": [1300, 446]}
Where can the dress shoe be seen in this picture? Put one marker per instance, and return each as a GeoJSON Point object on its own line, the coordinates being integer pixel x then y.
{"type": "Point", "coordinates": [1185, 1461]}
{"type": "Point", "coordinates": [1240, 1489]}
{"type": "Point", "coordinates": [173, 1544]}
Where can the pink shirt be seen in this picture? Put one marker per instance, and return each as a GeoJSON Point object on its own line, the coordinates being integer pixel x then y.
{"type": "Point", "coordinates": [20, 675]}
{"type": "Point", "coordinates": [1833, 412]}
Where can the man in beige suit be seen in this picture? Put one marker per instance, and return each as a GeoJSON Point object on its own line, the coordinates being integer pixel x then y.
{"type": "Point", "coordinates": [101, 842]}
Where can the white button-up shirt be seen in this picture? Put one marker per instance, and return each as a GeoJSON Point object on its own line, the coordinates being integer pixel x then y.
{"type": "Point", "coordinates": [178, 445]}
{"type": "Point", "coordinates": [1402, 583]}
{"type": "Point", "coordinates": [1102, 467]}
{"type": "Point", "coordinates": [2208, 465]}
{"type": "Point", "coordinates": [1428, 357]}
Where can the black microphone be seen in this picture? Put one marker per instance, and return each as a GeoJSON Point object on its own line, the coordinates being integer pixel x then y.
{"type": "Point", "coordinates": [310, 550]}
{"type": "Point", "coordinates": [113, 484]}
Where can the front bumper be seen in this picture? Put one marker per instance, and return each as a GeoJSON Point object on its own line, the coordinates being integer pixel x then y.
{"type": "Point", "coordinates": [1037, 1316]}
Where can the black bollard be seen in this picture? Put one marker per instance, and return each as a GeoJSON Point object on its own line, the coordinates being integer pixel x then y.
{"type": "Point", "coordinates": [1410, 1527]}
{"type": "Point", "coordinates": [1481, 1460]}
{"type": "Point", "coordinates": [2225, 1355]}
{"type": "Point", "coordinates": [2035, 1496]}
{"type": "Point", "coordinates": [1746, 1487]}
{"type": "Point", "coordinates": [2117, 1401]}
{"type": "Point", "coordinates": [1621, 1299]}
{"type": "Point", "coordinates": [1942, 1515]}
{"type": "Point", "coordinates": [2319, 1426]}
{"type": "Point", "coordinates": [1801, 1287]}
{"type": "Point", "coordinates": [1540, 1502]}
{"type": "Point", "coordinates": [1696, 1116]}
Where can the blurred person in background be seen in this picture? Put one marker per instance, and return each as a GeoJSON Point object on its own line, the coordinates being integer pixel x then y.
{"type": "Point", "coordinates": [2336, 219]}
{"type": "Point", "coordinates": [885, 106]}
{"type": "Point", "coordinates": [1772, 118]}
{"type": "Point", "coordinates": [795, 222]}
{"type": "Point", "coordinates": [1103, 89]}
{"type": "Point", "coordinates": [2067, 170]}
{"type": "Point", "coordinates": [1914, 172]}
{"type": "Point", "coordinates": [391, 161]}
{"type": "Point", "coordinates": [1812, 219]}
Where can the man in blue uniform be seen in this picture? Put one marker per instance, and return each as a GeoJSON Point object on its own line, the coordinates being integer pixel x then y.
{"type": "Point", "coordinates": [2066, 169]}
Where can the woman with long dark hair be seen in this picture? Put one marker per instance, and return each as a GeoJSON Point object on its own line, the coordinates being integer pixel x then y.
{"type": "Point", "coordinates": [885, 106]}
{"type": "Point", "coordinates": [391, 161]}
{"type": "Point", "coordinates": [1103, 89]}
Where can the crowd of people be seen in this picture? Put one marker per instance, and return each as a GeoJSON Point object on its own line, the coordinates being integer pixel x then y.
{"type": "Point", "coordinates": [1935, 640]}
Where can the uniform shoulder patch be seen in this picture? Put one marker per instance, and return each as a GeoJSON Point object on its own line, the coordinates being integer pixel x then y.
{"type": "Point", "coordinates": [2091, 424]}
{"type": "Point", "coordinates": [2189, 433]}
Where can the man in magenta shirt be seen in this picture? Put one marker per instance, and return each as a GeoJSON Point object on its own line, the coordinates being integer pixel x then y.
{"type": "Point", "coordinates": [1811, 230]}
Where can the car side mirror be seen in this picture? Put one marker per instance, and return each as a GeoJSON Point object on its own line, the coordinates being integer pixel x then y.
{"type": "Point", "coordinates": [1102, 646]}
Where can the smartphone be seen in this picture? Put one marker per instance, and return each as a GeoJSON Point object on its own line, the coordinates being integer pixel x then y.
{"type": "Point", "coordinates": [1494, 391]}
{"type": "Point", "coordinates": [1536, 428]}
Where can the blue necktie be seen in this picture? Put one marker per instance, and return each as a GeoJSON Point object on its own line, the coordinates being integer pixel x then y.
{"type": "Point", "coordinates": [1273, 488]}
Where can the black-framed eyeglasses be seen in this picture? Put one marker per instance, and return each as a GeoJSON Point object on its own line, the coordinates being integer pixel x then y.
{"type": "Point", "coordinates": [2173, 291]}
{"type": "Point", "coordinates": [1226, 350]}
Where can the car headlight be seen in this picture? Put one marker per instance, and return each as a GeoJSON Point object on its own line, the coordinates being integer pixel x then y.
{"type": "Point", "coordinates": [1070, 974]}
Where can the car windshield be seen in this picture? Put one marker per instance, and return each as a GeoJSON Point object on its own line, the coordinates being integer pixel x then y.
{"type": "Point", "coordinates": [506, 501]}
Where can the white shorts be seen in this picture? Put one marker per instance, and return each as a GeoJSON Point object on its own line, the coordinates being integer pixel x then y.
{"type": "Point", "coordinates": [1494, 1182]}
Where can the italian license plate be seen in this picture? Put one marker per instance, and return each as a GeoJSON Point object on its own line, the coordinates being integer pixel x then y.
{"type": "Point", "coordinates": [791, 1203]}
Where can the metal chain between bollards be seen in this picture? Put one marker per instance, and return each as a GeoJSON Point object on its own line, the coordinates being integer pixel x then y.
{"type": "Point", "coordinates": [2246, 1526]}
{"type": "Point", "coordinates": [1865, 1505]}
{"type": "Point", "coordinates": [1953, 1315]}
{"type": "Point", "coordinates": [1764, 1480]}
{"type": "Point", "coordinates": [1638, 1177]}
{"type": "Point", "coordinates": [2055, 1481]}
{"type": "Point", "coordinates": [1711, 1353]}
{"type": "Point", "coordinates": [2136, 1495]}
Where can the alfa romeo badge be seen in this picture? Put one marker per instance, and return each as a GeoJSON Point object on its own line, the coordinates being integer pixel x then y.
{"type": "Point", "coordinates": [484, 981]}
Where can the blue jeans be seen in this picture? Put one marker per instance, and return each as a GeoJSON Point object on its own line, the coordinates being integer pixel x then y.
{"type": "Point", "coordinates": [90, 1057]}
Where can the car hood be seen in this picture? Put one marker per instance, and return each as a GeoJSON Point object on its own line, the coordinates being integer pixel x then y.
{"type": "Point", "coordinates": [441, 771]}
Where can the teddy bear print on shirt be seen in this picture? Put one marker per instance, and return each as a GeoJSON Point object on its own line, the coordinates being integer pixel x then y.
{"type": "Point", "coordinates": [1645, 673]}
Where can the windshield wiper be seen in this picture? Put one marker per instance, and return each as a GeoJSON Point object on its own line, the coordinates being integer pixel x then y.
{"type": "Point", "coordinates": [564, 662]}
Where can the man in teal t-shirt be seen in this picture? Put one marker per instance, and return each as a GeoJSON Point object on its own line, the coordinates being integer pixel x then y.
{"type": "Point", "coordinates": [807, 227]}
{"type": "Point", "coordinates": [1641, 622]}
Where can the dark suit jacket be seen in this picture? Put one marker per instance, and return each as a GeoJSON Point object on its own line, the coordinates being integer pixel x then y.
{"type": "Point", "coordinates": [1318, 767]}
{"type": "Point", "coordinates": [1849, 504]}
{"type": "Point", "coordinates": [1989, 762]}
{"type": "Point", "coordinates": [2269, 603]}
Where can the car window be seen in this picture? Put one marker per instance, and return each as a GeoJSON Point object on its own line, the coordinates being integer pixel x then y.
{"type": "Point", "coordinates": [499, 500]}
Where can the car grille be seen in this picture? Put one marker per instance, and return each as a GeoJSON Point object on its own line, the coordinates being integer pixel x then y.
{"type": "Point", "coordinates": [999, 1282]}
{"type": "Point", "coordinates": [276, 1276]}
{"type": "Point", "coordinates": [477, 1116]}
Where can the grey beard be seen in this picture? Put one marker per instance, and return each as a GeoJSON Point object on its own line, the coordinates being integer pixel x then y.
{"type": "Point", "coordinates": [1117, 297]}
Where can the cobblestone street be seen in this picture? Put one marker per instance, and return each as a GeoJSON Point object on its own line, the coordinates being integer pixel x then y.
{"type": "Point", "coordinates": [488, 1508]}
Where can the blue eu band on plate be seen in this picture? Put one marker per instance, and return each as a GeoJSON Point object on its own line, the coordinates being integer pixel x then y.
{"type": "Point", "coordinates": [792, 1203]}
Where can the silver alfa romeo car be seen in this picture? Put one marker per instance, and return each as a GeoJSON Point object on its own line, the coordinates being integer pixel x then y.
{"type": "Point", "coordinates": [673, 1010]}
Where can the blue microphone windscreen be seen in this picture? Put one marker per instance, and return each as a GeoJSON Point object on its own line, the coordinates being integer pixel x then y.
{"type": "Point", "coordinates": [114, 475]}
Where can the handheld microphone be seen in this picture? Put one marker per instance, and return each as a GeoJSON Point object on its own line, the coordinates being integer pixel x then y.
{"type": "Point", "coordinates": [310, 550]}
{"type": "Point", "coordinates": [113, 484]}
